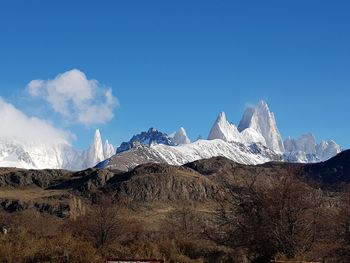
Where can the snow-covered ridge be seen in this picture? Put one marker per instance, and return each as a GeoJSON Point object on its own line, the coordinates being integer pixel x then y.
{"type": "Point", "coordinates": [200, 149]}
{"type": "Point", "coordinates": [203, 149]}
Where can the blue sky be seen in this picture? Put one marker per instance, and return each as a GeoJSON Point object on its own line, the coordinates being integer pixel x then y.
{"type": "Point", "coordinates": [178, 63]}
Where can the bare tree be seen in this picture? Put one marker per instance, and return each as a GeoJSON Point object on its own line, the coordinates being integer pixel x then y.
{"type": "Point", "coordinates": [339, 234]}
{"type": "Point", "coordinates": [182, 222]}
{"type": "Point", "coordinates": [270, 216]}
{"type": "Point", "coordinates": [101, 224]}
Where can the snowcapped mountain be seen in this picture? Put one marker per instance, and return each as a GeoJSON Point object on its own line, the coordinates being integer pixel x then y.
{"type": "Point", "coordinates": [57, 154]}
{"type": "Point", "coordinates": [180, 137]}
{"type": "Point", "coordinates": [258, 125]}
{"type": "Point", "coordinates": [108, 149]}
{"type": "Point", "coordinates": [153, 136]}
{"type": "Point", "coordinates": [36, 154]}
{"type": "Point", "coordinates": [224, 140]}
{"type": "Point", "coordinates": [224, 130]}
{"type": "Point", "coordinates": [97, 152]}
{"type": "Point", "coordinates": [306, 143]}
{"type": "Point", "coordinates": [305, 148]}
{"type": "Point", "coordinates": [201, 149]}
{"type": "Point", "coordinates": [262, 120]}
{"type": "Point", "coordinates": [12, 153]}
{"type": "Point", "coordinates": [327, 149]}
{"type": "Point", "coordinates": [150, 137]}
{"type": "Point", "coordinates": [256, 140]}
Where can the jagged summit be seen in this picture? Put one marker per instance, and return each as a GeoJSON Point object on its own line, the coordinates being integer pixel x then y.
{"type": "Point", "coordinates": [108, 149]}
{"type": "Point", "coordinates": [95, 152]}
{"type": "Point", "coordinates": [180, 137]}
{"type": "Point", "coordinates": [224, 130]}
{"type": "Point", "coordinates": [150, 137]}
{"type": "Point", "coordinates": [327, 149]}
{"type": "Point", "coordinates": [258, 125]}
{"type": "Point", "coordinates": [154, 137]}
{"type": "Point", "coordinates": [307, 144]}
{"type": "Point", "coordinates": [256, 139]}
{"type": "Point", "coordinates": [97, 145]}
{"type": "Point", "coordinates": [262, 120]}
{"type": "Point", "coordinates": [221, 117]}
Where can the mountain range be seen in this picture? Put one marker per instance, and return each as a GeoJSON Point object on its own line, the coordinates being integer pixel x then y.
{"type": "Point", "coordinates": [57, 154]}
{"type": "Point", "coordinates": [255, 140]}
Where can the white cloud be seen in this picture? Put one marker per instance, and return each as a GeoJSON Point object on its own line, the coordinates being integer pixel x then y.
{"type": "Point", "coordinates": [16, 125]}
{"type": "Point", "coordinates": [75, 97]}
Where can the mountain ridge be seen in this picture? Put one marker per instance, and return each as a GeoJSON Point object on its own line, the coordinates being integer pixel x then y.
{"type": "Point", "coordinates": [256, 130]}
{"type": "Point", "coordinates": [255, 140]}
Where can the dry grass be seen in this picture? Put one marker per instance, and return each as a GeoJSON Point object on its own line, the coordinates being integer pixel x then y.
{"type": "Point", "coordinates": [34, 194]}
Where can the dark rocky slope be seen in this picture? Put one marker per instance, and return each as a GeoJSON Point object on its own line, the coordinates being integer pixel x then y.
{"type": "Point", "coordinates": [331, 173]}
{"type": "Point", "coordinates": [203, 181]}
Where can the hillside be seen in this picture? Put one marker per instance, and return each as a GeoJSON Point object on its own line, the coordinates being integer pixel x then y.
{"type": "Point", "coordinates": [202, 180]}
{"type": "Point", "coordinates": [195, 207]}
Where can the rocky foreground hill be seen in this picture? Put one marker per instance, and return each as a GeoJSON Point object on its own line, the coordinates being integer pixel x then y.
{"type": "Point", "coordinates": [210, 210]}
{"type": "Point", "coordinates": [200, 181]}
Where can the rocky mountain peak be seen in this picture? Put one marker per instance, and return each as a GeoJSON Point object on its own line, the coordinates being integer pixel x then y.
{"type": "Point", "coordinates": [224, 130]}
{"type": "Point", "coordinates": [180, 137]}
{"type": "Point", "coordinates": [108, 149]}
{"type": "Point", "coordinates": [148, 138]}
{"type": "Point", "coordinates": [95, 152]}
{"type": "Point", "coordinates": [262, 120]}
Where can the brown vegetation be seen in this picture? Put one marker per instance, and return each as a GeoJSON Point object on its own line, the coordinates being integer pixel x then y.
{"type": "Point", "coordinates": [208, 211]}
